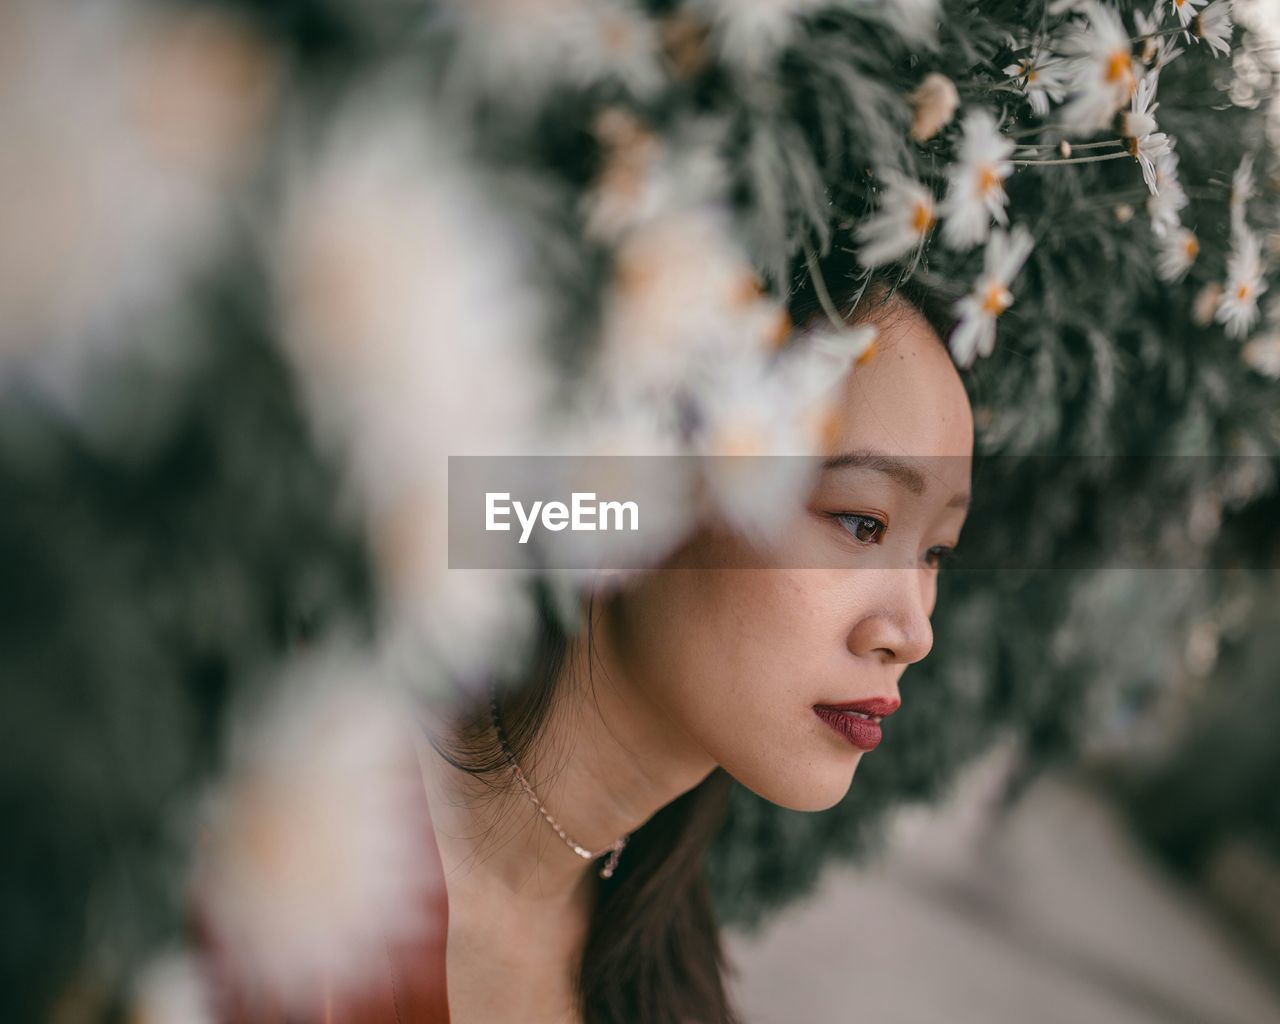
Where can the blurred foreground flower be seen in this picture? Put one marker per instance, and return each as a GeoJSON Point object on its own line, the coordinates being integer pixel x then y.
{"type": "Point", "coordinates": [765, 425]}
{"type": "Point", "coordinates": [123, 129]}
{"type": "Point", "coordinates": [314, 855]}
{"type": "Point", "coordinates": [521, 49]}
{"type": "Point", "coordinates": [172, 989]}
{"type": "Point", "coordinates": [415, 332]}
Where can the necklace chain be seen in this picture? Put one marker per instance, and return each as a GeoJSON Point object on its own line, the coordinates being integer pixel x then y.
{"type": "Point", "coordinates": [614, 849]}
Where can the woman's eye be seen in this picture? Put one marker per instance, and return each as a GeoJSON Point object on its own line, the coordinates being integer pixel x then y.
{"type": "Point", "coordinates": [940, 556]}
{"type": "Point", "coordinates": [864, 529]}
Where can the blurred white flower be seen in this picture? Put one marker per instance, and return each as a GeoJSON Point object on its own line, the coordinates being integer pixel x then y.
{"type": "Point", "coordinates": [907, 213]}
{"type": "Point", "coordinates": [762, 427]}
{"type": "Point", "coordinates": [414, 330]}
{"type": "Point", "coordinates": [933, 105]}
{"type": "Point", "coordinates": [313, 859]}
{"type": "Point", "coordinates": [975, 331]}
{"type": "Point", "coordinates": [1043, 78]}
{"type": "Point", "coordinates": [915, 20]}
{"type": "Point", "coordinates": [524, 48]}
{"type": "Point", "coordinates": [1242, 184]}
{"type": "Point", "coordinates": [1101, 69]}
{"type": "Point", "coordinates": [622, 451]}
{"type": "Point", "coordinates": [1167, 202]}
{"type": "Point", "coordinates": [683, 298]}
{"type": "Point", "coordinates": [1178, 250]}
{"type": "Point", "coordinates": [1263, 354]}
{"type": "Point", "coordinates": [749, 35]}
{"type": "Point", "coordinates": [1186, 9]}
{"type": "Point", "coordinates": [646, 175]}
{"type": "Point", "coordinates": [1205, 304]}
{"type": "Point", "coordinates": [172, 989]}
{"type": "Point", "coordinates": [1213, 27]}
{"type": "Point", "coordinates": [976, 192]}
{"type": "Point", "coordinates": [1238, 307]}
{"type": "Point", "coordinates": [124, 131]}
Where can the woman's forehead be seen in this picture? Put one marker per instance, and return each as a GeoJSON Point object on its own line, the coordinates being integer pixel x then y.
{"type": "Point", "coordinates": [907, 398]}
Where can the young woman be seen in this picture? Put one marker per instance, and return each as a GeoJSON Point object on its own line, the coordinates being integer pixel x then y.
{"type": "Point", "coordinates": [571, 815]}
{"type": "Point", "coordinates": [627, 736]}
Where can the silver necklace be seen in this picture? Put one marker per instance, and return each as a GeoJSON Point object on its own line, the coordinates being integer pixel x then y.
{"type": "Point", "coordinates": [614, 850]}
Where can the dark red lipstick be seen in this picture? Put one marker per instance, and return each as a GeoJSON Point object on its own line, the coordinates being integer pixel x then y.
{"type": "Point", "coordinates": [858, 721]}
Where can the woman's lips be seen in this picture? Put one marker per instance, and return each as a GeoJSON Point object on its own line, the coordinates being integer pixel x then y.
{"type": "Point", "coordinates": [858, 722]}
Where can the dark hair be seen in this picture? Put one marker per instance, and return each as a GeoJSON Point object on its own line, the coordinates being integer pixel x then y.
{"type": "Point", "coordinates": [853, 293]}
{"type": "Point", "coordinates": [653, 950]}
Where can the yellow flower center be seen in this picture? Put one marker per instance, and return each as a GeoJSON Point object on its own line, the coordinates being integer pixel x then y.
{"type": "Point", "coordinates": [1191, 247]}
{"type": "Point", "coordinates": [922, 217]}
{"type": "Point", "coordinates": [1120, 72]}
{"type": "Point", "coordinates": [988, 180]}
{"type": "Point", "coordinates": [996, 299]}
{"type": "Point", "coordinates": [1243, 292]}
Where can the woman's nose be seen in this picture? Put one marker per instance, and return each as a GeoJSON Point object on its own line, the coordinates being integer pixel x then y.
{"type": "Point", "coordinates": [894, 617]}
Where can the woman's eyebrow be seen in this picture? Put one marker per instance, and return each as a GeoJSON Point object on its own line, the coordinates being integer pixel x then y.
{"type": "Point", "coordinates": [910, 478]}
{"type": "Point", "coordinates": [900, 470]}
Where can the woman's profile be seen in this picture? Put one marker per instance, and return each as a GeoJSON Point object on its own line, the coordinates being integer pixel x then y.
{"type": "Point", "coordinates": [615, 756]}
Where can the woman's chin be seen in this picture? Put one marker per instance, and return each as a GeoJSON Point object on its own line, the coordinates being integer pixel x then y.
{"type": "Point", "coordinates": [817, 790]}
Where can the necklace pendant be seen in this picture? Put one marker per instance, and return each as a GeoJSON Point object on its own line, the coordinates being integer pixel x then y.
{"type": "Point", "coordinates": [612, 862]}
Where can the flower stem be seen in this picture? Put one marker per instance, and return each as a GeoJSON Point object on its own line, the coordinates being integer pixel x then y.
{"type": "Point", "coordinates": [1070, 160]}
{"type": "Point", "coordinates": [1074, 146]}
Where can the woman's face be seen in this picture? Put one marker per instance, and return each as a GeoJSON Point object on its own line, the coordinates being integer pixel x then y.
{"type": "Point", "coordinates": [735, 658]}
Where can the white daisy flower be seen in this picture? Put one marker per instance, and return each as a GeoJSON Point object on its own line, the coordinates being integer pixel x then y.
{"type": "Point", "coordinates": [975, 332]}
{"type": "Point", "coordinates": [1103, 77]}
{"type": "Point", "coordinates": [1157, 50]}
{"type": "Point", "coordinates": [976, 193]}
{"type": "Point", "coordinates": [1178, 250]}
{"type": "Point", "coordinates": [1138, 129]}
{"type": "Point", "coordinates": [1242, 184]}
{"type": "Point", "coordinates": [311, 861]}
{"type": "Point", "coordinates": [906, 214]}
{"type": "Point", "coordinates": [1213, 27]}
{"type": "Point", "coordinates": [172, 988]}
{"type": "Point", "coordinates": [1263, 354]}
{"type": "Point", "coordinates": [1238, 307]}
{"type": "Point", "coordinates": [1169, 199]}
{"type": "Point", "coordinates": [1139, 119]}
{"type": "Point", "coordinates": [933, 105]}
{"type": "Point", "coordinates": [1186, 9]}
{"type": "Point", "coordinates": [1147, 150]}
{"type": "Point", "coordinates": [1043, 77]}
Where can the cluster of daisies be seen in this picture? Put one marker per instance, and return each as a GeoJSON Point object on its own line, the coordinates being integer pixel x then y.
{"type": "Point", "coordinates": [1089, 76]}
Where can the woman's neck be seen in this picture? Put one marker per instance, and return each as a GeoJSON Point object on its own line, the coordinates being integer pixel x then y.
{"type": "Point", "coordinates": [604, 762]}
